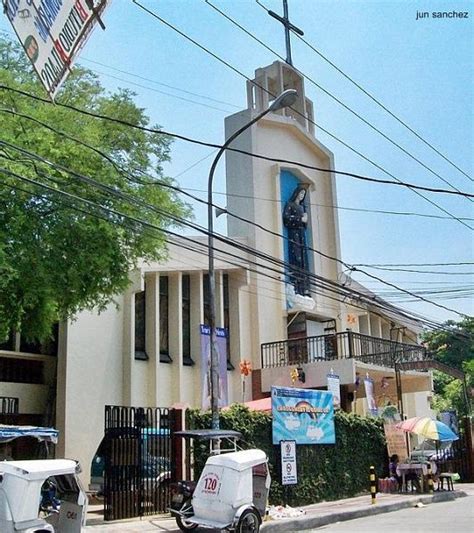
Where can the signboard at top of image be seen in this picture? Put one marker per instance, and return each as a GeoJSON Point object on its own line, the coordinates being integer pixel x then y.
{"type": "Point", "coordinates": [303, 415]}
{"type": "Point", "coordinates": [52, 32]}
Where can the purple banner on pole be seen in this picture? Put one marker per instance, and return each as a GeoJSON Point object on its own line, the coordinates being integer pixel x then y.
{"type": "Point", "coordinates": [221, 345]}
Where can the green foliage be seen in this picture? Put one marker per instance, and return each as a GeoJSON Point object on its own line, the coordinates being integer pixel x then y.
{"type": "Point", "coordinates": [325, 472]}
{"type": "Point", "coordinates": [59, 256]}
{"type": "Point", "coordinates": [454, 347]}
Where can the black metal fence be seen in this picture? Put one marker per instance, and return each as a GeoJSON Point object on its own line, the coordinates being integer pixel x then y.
{"type": "Point", "coordinates": [137, 461]}
{"type": "Point", "coordinates": [345, 345]}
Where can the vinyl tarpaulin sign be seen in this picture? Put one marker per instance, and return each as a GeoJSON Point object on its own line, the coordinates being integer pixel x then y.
{"type": "Point", "coordinates": [303, 415]}
{"type": "Point", "coordinates": [221, 345]}
{"type": "Point", "coordinates": [51, 33]}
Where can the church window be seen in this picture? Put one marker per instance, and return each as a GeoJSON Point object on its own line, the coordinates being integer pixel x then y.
{"type": "Point", "coordinates": [225, 290]}
{"type": "Point", "coordinates": [186, 319]}
{"type": "Point", "coordinates": [164, 320]}
{"type": "Point", "coordinates": [140, 326]}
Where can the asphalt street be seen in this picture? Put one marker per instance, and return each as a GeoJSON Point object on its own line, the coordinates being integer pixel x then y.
{"type": "Point", "coordinates": [454, 516]}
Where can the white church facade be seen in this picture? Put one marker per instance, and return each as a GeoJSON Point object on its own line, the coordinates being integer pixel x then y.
{"type": "Point", "coordinates": [274, 300]}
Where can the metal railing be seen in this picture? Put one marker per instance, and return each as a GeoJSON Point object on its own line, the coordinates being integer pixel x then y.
{"type": "Point", "coordinates": [345, 345]}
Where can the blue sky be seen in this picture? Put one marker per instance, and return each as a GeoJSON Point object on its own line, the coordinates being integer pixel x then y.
{"type": "Point", "coordinates": [422, 70]}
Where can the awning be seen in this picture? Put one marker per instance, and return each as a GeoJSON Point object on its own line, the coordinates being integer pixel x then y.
{"type": "Point", "coordinates": [9, 433]}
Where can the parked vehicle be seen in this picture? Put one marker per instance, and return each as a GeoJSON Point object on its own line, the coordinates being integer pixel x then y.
{"type": "Point", "coordinates": [231, 492]}
{"type": "Point", "coordinates": [21, 483]}
{"type": "Point", "coordinates": [154, 469]}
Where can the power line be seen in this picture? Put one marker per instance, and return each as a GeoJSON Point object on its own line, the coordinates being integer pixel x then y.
{"type": "Point", "coordinates": [335, 98]}
{"type": "Point", "coordinates": [152, 226]}
{"type": "Point", "coordinates": [370, 301]}
{"type": "Point", "coordinates": [203, 96]}
{"type": "Point", "coordinates": [109, 189]}
{"type": "Point", "coordinates": [338, 207]}
{"type": "Point", "coordinates": [244, 152]}
{"type": "Point", "coordinates": [234, 69]}
{"type": "Point", "coordinates": [179, 220]}
{"type": "Point", "coordinates": [418, 271]}
{"type": "Point", "coordinates": [378, 102]}
{"type": "Point", "coordinates": [459, 263]}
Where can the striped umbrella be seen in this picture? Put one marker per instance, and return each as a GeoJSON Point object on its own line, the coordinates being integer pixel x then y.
{"type": "Point", "coordinates": [428, 428]}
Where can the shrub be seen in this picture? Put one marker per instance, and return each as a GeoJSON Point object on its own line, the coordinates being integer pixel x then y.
{"type": "Point", "coordinates": [325, 471]}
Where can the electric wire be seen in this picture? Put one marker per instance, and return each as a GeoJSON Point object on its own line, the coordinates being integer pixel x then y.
{"type": "Point", "coordinates": [335, 98]}
{"type": "Point", "coordinates": [375, 100]}
{"type": "Point", "coordinates": [371, 301]}
{"type": "Point", "coordinates": [350, 267]}
{"type": "Point", "coordinates": [244, 152]}
{"type": "Point", "coordinates": [190, 39]}
{"type": "Point", "coordinates": [179, 220]}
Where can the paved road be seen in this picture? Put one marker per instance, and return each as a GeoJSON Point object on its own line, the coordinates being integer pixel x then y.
{"type": "Point", "coordinates": [455, 516]}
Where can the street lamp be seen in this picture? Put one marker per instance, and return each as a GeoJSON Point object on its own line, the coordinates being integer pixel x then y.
{"type": "Point", "coordinates": [285, 99]}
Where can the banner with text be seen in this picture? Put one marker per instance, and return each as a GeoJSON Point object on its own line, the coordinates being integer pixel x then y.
{"type": "Point", "coordinates": [369, 393]}
{"type": "Point", "coordinates": [221, 344]}
{"type": "Point", "coordinates": [303, 415]}
{"type": "Point", "coordinates": [396, 442]}
{"type": "Point", "coordinates": [51, 33]}
{"type": "Point", "coordinates": [334, 386]}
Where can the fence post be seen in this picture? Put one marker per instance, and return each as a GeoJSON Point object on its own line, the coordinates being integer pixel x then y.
{"type": "Point", "coordinates": [373, 485]}
{"type": "Point", "coordinates": [430, 479]}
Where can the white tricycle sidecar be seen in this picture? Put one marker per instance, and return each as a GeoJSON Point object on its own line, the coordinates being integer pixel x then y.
{"type": "Point", "coordinates": [232, 492]}
{"type": "Point", "coordinates": [20, 495]}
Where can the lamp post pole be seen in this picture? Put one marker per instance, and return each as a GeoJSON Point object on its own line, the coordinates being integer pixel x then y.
{"type": "Point", "coordinates": [285, 99]}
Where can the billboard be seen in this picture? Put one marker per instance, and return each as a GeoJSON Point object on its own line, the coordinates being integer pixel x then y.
{"type": "Point", "coordinates": [221, 336]}
{"type": "Point", "coordinates": [303, 415]}
{"type": "Point", "coordinates": [51, 33]}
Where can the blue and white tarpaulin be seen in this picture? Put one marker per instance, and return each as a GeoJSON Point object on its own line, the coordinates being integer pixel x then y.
{"type": "Point", "coordinates": [303, 415]}
{"type": "Point", "coordinates": [8, 433]}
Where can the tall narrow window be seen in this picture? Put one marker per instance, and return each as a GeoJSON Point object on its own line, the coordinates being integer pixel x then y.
{"type": "Point", "coordinates": [225, 290]}
{"type": "Point", "coordinates": [186, 319]}
{"type": "Point", "coordinates": [164, 320]}
{"type": "Point", "coordinates": [206, 289]}
{"type": "Point", "coordinates": [140, 326]}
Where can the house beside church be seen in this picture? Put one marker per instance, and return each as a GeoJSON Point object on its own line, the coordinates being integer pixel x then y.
{"type": "Point", "coordinates": [279, 302]}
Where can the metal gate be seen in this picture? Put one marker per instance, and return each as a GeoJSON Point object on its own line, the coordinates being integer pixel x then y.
{"type": "Point", "coordinates": [137, 461]}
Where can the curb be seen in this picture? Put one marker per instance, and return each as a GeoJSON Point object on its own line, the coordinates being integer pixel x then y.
{"type": "Point", "coordinates": [290, 525]}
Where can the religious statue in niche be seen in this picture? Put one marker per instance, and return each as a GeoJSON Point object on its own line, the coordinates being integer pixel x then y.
{"type": "Point", "coordinates": [295, 219]}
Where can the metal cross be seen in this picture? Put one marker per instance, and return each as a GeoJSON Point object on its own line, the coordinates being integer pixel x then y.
{"type": "Point", "coordinates": [288, 26]}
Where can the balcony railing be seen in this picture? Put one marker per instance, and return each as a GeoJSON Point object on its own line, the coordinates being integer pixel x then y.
{"type": "Point", "coordinates": [346, 345]}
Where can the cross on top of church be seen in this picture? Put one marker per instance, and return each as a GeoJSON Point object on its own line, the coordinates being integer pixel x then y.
{"type": "Point", "coordinates": [288, 26]}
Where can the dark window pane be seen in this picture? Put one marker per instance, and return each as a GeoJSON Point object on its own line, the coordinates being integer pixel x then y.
{"type": "Point", "coordinates": [186, 326]}
{"type": "Point", "coordinates": [21, 370]}
{"type": "Point", "coordinates": [164, 316]}
{"type": "Point", "coordinates": [140, 327]}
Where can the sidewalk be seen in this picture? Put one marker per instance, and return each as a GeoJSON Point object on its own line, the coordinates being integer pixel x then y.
{"type": "Point", "coordinates": [317, 515]}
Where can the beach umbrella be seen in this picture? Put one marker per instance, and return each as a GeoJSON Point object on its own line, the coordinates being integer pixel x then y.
{"type": "Point", "coordinates": [428, 428]}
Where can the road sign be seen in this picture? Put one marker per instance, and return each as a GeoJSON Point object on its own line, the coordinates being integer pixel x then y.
{"type": "Point", "coordinates": [52, 32]}
{"type": "Point", "coordinates": [288, 462]}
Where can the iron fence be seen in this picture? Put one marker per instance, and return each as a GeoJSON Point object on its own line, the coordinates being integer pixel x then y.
{"type": "Point", "coordinates": [345, 345]}
{"type": "Point", "coordinates": [137, 461]}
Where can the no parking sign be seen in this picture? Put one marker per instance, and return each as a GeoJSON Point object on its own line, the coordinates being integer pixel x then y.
{"type": "Point", "coordinates": [288, 462]}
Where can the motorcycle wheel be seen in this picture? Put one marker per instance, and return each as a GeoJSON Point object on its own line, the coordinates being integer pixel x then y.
{"type": "Point", "coordinates": [183, 524]}
{"type": "Point", "coordinates": [249, 522]}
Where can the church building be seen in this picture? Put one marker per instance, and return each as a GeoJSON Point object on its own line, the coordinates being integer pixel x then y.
{"type": "Point", "coordinates": [278, 306]}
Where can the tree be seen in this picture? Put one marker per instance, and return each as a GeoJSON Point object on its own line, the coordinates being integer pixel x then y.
{"type": "Point", "coordinates": [63, 254]}
{"type": "Point", "coordinates": [454, 346]}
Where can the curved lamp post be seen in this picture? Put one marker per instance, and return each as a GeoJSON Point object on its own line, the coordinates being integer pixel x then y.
{"type": "Point", "coordinates": [285, 99]}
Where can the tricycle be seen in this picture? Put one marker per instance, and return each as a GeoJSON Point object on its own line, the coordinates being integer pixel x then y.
{"type": "Point", "coordinates": [39, 496]}
{"type": "Point", "coordinates": [231, 492]}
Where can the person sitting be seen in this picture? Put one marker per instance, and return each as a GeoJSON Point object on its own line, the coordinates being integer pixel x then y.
{"type": "Point", "coordinates": [409, 476]}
